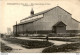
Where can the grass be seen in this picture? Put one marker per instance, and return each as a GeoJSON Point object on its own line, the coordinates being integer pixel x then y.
{"type": "Point", "coordinates": [62, 48]}
{"type": "Point", "coordinates": [5, 48]}
{"type": "Point", "coordinates": [29, 43]}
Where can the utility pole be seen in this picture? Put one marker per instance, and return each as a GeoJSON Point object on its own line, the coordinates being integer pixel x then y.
{"type": "Point", "coordinates": [16, 28]}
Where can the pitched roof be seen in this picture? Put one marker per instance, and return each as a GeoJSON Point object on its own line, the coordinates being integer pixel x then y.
{"type": "Point", "coordinates": [45, 12]}
{"type": "Point", "coordinates": [59, 23]}
{"type": "Point", "coordinates": [40, 14]}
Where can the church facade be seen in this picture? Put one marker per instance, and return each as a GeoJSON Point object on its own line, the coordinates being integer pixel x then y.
{"type": "Point", "coordinates": [54, 20]}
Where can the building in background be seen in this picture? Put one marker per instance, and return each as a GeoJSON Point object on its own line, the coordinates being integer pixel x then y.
{"type": "Point", "coordinates": [8, 31]}
{"type": "Point", "coordinates": [54, 20]}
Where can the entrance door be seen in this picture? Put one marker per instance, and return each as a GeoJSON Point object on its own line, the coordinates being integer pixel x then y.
{"type": "Point", "coordinates": [61, 29]}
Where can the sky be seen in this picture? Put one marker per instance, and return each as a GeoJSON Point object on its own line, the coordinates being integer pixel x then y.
{"type": "Point", "coordinates": [15, 10]}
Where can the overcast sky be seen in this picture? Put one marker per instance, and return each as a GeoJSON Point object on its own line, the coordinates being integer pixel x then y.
{"type": "Point", "coordinates": [12, 10]}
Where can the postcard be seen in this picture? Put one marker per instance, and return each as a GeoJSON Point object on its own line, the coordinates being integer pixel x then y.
{"type": "Point", "coordinates": [40, 26]}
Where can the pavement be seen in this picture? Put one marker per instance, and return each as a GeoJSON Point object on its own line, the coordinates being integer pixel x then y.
{"type": "Point", "coordinates": [19, 49]}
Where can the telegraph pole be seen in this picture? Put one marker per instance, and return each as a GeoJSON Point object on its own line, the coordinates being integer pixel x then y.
{"type": "Point", "coordinates": [16, 28]}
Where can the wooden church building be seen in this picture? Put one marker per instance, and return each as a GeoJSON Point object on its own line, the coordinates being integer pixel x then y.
{"type": "Point", "coordinates": [54, 20]}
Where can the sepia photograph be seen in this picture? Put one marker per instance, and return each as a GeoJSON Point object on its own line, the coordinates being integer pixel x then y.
{"type": "Point", "coordinates": [40, 26]}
